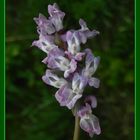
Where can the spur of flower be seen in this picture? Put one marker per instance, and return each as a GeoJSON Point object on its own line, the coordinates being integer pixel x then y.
{"type": "Point", "coordinates": [70, 68]}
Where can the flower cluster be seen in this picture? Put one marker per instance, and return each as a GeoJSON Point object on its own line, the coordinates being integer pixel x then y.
{"type": "Point", "coordinates": [70, 68]}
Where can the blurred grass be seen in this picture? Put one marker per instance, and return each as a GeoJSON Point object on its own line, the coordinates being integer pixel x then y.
{"type": "Point", "coordinates": [32, 112]}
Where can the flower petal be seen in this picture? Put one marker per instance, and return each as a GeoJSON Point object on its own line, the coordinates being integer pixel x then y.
{"type": "Point", "coordinates": [85, 32]}
{"type": "Point", "coordinates": [73, 42]}
{"type": "Point", "coordinates": [95, 82]}
{"type": "Point", "coordinates": [83, 24]}
{"type": "Point", "coordinates": [54, 10]}
{"type": "Point", "coordinates": [90, 124]}
{"type": "Point", "coordinates": [79, 56]}
{"type": "Point", "coordinates": [66, 97]}
{"type": "Point", "coordinates": [72, 68]}
{"type": "Point", "coordinates": [56, 60]}
{"type": "Point", "coordinates": [62, 95]}
{"type": "Point", "coordinates": [44, 26]}
{"type": "Point", "coordinates": [45, 43]}
{"type": "Point", "coordinates": [73, 100]}
{"type": "Point", "coordinates": [84, 110]}
{"type": "Point", "coordinates": [52, 79]}
{"type": "Point", "coordinates": [91, 100]}
{"type": "Point", "coordinates": [78, 83]}
{"type": "Point", "coordinates": [97, 129]}
{"type": "Point", "coordinates": [91, 63]}
{"type": "Point", "coordinates": [56, 16]}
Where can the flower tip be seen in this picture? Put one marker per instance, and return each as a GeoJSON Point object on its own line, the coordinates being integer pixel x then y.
{"type": "Point", "coordinates": [43, 78]}
{"type": "Point", "coordinates": [98, 59]}
{"type": "Point", "coordinates": [99, 132]}
{"type": "Point", "coordinates": [96, 32]}
{"type": "Point", "coordinates": [56, 6]}
{"type": "Point", "coordinates": [52, 7]}
{"type": "Point", "coordinates": [68, 35]}
{"type": "Point", "coordinates": [40, 15]}
{"type": "Point", "coordinates": [33, 43]}
{"type": "Point", "coordinates": [81, 21]}
{"type": "Point", "coordinates": [36, 20]}
{"type": "Point", "coordinates": [45, 60]}
{"type": "Point", "coordinates": [49, 6]}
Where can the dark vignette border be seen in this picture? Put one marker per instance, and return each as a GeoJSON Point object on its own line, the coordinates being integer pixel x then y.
{"type": "Point", "coordinates": [2, 69]}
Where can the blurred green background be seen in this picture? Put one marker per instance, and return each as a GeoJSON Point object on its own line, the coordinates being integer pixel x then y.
{"type": "Point", "coordinates": [32, 111]}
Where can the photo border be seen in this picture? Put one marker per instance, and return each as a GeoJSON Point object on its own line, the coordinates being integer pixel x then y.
{"type": "Point", "coordinates": [137, 69]}
{"type": "Point", "coordinates": [2, 69]}
{"type": "Point", "coordinates": [136, 72]}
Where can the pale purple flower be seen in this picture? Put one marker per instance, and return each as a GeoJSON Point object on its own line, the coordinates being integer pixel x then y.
{"type": "Point", "coordinates": [45, 26]}
{"type": "Point", "coordinates": [70, 93]}
{"type": "Point", "coordinates": [73, 42]}
{"type": "Point", "coordinates": [56, 16]}
{"type": "Point", "coordinates": [45, 43]}
{"type": "Point", "coordinates": [78, 83]}
{"type": "Point", "coordinates": [85, 33]}
{"type": "Point", "coordinates": [56, 60]}
{"type": "Point", "coordinates": [71, 68]}
{"type": "Point", "coordinates": [88, 121]}
{"type": "Point", "coordinates": [52, 79]}
{"type": "Point", "coordinates": [75, 37]}
{"type": "Point", "coordinates": [90, 124]}
{"type": "Point", "coordinates": [91, 65]}
{"type": "Point", "coordinates": [66, 97]}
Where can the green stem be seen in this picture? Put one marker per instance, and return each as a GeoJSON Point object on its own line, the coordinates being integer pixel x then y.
{"type": "Point", "coordinates": [76, 129]}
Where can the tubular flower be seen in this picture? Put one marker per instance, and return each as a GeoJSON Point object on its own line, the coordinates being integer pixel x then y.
{"type": "Point", "coordinates": [88, 121]}
{"type": "Point", "coordinates": [70, 67]}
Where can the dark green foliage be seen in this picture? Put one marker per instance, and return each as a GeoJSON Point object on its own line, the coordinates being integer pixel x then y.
{"type": "Point", "coordinates": [32, 111]}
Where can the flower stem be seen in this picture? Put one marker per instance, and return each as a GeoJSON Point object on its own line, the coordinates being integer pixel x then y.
{"type": "Point", "coordinates": [76, 129]}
